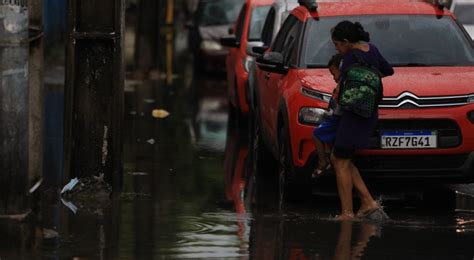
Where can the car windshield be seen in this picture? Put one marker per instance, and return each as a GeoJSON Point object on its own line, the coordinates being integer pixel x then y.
{"type": "Point", "coordinates": [404, 40]}
{"type": "Point", "coordinates": [464, 13]}
{"type": "Point", "coordinates": [218, 12]}
{"type": "Point", "coordinates": [256, 22]}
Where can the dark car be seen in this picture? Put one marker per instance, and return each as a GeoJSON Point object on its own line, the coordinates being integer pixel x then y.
{"type": "Point", "coordinates": [212, 20]}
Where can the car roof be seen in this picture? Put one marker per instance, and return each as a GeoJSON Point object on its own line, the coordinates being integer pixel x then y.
{"type": "Point", "coordinates": [259, 2]}
{"type": "Point", "coordinates": [369, 7]}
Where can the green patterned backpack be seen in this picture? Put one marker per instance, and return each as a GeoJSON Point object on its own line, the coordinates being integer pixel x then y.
{"type": "Point", "coordinates": [362, 89]}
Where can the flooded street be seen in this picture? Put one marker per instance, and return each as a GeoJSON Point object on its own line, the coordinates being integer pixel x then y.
{"type": "Point", "coordinates": [189, 192]}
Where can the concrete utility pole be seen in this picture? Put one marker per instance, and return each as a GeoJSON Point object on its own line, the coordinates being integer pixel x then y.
{"type": "Point", "coordinates": [94, 89]}
{"type": "Point", "coordinates": [20, 109]}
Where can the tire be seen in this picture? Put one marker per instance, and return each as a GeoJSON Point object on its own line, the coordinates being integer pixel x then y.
{"type": "Point", "coordinates": [263, 163]}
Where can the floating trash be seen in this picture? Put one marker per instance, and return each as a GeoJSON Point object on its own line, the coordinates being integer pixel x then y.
{"type": "Point", "coordinates": [149, 101]}
{"type": "Point", "coordinates": [160, 113]}
{"type": "Point", "coordinates": [138, 173]}
{"type": "Point", "coordinates": [151, 141]}
{"type": "Point", "coordinates": [86, 194]}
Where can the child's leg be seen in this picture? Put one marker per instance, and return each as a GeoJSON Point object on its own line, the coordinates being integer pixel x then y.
{"type": "Point", "coordinates": [321, 151]}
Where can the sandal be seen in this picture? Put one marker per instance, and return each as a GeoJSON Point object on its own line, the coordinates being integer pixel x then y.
{"type": "Point", "coordinates": [377, 214]}
{"type": "Point", "coordinates": [320, 170]}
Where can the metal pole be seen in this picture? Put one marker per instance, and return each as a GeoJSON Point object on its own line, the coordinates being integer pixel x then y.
{"type": "Point", "coordinates": [94, 90]}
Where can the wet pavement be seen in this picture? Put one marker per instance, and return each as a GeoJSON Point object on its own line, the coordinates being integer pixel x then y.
{"type": "Point", "coordinates": [189, 192]}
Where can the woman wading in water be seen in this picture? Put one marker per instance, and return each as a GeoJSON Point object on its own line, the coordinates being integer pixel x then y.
{"type": "Point", "coordinates": [354, 131]}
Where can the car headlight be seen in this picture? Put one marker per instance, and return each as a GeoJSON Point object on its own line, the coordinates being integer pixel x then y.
{"type": "Point", "coordinates": [311, 115]}
{"type": "Point", "coordinates": [247, 62]}
{"type": "Point", "coordinates": [316, 94]}
{"type": "Point", "coordinates": [211, 45]}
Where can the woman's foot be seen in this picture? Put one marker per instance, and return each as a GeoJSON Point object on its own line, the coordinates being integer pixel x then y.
{"type": "Point", "coordinates": [367, 209]}
{"type": "Point", "coordinates": [345, 217]}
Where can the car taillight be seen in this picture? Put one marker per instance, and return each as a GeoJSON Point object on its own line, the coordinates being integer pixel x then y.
{"type": "Point", "coordinates": [470, 116]}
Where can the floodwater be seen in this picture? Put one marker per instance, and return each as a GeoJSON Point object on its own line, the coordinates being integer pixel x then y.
{"type": "Point", "coordinates": [189, 193]}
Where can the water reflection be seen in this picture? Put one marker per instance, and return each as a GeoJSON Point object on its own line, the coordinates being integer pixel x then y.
{"type": "Point", "coordinates": [208, 119]}
{"type": "Point", "coordinates": [237, 181]}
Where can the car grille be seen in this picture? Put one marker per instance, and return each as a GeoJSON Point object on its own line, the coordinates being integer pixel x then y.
{"type": "Point", "coordinates": [411, 162]}
{"type": "Point", "coordinates": [449, 134]}
{"type": "Point", "coordinates": [408, 100]}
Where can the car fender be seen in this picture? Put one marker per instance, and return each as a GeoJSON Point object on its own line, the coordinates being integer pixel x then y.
{"type": "Point", "coordinates": [283, 122]}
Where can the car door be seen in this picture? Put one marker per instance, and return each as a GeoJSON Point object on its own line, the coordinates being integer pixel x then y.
{"type": "Point", "coordinates": [233, 57]}
{"type": "Point", "coordinates": [286, 43]}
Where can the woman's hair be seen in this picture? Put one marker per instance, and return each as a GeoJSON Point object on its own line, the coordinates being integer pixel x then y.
{"type": "Point", "coordinates": [352, 32]}
{"type": "Point", "coordinates": [335, 61]}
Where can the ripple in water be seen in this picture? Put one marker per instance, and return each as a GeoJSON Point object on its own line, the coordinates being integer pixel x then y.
{"type": "Point", "coordinates": [211, 235]}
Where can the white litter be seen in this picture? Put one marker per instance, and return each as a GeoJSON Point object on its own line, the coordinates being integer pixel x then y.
{"type": "Point", "coordinates": [69, 205]}
{"type": "Point", "coordinates": [70, 185]}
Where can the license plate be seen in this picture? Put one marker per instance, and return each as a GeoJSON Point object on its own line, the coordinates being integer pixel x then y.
{"type": "Point", "coordinates": [408, 139]}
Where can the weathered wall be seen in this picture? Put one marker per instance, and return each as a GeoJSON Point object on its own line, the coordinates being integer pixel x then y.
{"type": "Point", "coordinates": [13, 106]}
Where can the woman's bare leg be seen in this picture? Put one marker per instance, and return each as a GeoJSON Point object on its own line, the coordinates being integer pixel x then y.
{"type": "Point", "coordinates": [343, 171]}
{"type": "Point", "coordinates": [367, 201]}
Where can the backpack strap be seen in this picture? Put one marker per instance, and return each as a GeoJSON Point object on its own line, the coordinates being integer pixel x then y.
{"type": "Point", "coordinates": [362, 61]}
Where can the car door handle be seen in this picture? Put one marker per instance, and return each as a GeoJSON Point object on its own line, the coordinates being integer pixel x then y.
{"type": "Point", "coordinates": [267, 75]}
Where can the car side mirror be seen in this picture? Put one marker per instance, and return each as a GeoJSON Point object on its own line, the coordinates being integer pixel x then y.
{"type": "Point", "coordinates": [251, 45]}
{"type": "Point", "coordinates": [446, 3]}
{"type": "Point", "coordinates": [272, 62]}
{"type": "Point", "coordinates": [230, 41]}
{"type": "Point", "coordinates": [260, 49]}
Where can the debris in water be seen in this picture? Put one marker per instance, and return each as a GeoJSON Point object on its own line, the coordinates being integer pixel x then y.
{"type": "Point", "coordinates": [149, 101]}
{"type": "Point", "coordinates": [133, 113]}
{"type": "Point", "coordinates": [151, 141]}
{"type": "Point", "coordinates": [70, 185]}
{"type": "Point", "coordinates": [36, 186]}
{"type": "Point", "coordinates": [49, 233]}
{"type": "Point", "coordinates": [160, 113]}
{"type": "Point", "coordinates": [86, 194]}
{"type": "Point", "coordinates": [138, 173]}
{"type": "Point", "coordinates": [69, 205]}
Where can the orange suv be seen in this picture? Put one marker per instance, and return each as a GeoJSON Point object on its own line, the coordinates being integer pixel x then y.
{"type": "Point", "coordinates": [247, 30]}
{"type": "Point", "coordinates": [426, 122]}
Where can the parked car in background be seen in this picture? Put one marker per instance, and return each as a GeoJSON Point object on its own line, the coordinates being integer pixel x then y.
{"type": "Point", "coordinates": [464, 12]}
{"type": "Point", "coordinates": [277, 14]}
{"type": "Point", "coordinates": [247, 30]}
{"type": "Point", "coordinates": [211, 21]}
{"type": "Point", "coordinates": [426, 126]}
